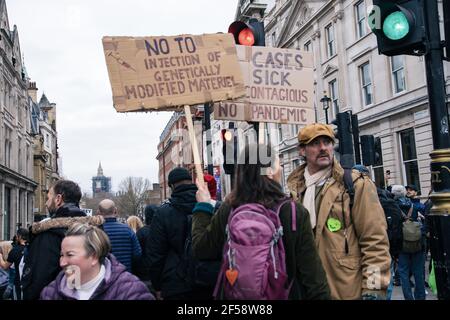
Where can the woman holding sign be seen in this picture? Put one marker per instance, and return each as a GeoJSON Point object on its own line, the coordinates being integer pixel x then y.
{"type": "Point", "coordinates": [255, 265]}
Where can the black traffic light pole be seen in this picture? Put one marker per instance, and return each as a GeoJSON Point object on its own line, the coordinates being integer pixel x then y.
{"type": "Point", "coordinates": [435, 79]}
{"type": "Point", "coordinates": [355, 132]}
{"type": "Point", "coordinates": [345, 136]}
{"type": "Point", "coordinates": [207, 119]}
{"type": "Point", "coordinates": [439, 217]}
{"type": "Point", "coordinates": [234, 146]}
{"type": "Point", "coordinates": [250, 33]}
{"type": "Point", "coordinates": [229, 151]}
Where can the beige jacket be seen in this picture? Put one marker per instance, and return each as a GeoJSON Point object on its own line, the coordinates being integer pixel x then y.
{"type": "Point", "coordinates": [366, 267]}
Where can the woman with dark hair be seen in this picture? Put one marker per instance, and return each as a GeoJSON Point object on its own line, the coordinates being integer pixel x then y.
{"type": "Point", "coordinates": [257, 182]}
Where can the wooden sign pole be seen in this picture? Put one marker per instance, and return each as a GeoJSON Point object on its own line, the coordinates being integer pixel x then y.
{"type": "Point", "coordinates": [197, 162]}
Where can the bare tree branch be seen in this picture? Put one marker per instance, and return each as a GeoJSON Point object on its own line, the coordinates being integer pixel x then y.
{"type": "Point", "coordinates": [133, 195]}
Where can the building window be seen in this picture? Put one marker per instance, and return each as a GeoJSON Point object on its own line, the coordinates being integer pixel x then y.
{"type": "Point", "coordinates": [8, 146]}
{"type": "Point", "coordinates": [280, 132]}
{"type": "Point", "coordinates": [20, 160]}
{"type": "Point", "coordinates": [12, 104]}
{"type": "Point", "coordinates": [366, 82]}
{"type": "Point", "coordinates": [307, 46]}
{"type": "Point", "coordinates": [47, 140]}
{"type": "Point", "coordinates": [274, 37]}
{"type": "Point", "coordinates": [7, 214]}
{"type": "Point", "coordinates": [334, 95]}
{"type": "Point", "coordinates": [378, 170]}
{"type": "Point", "coordinates": [331, 44]}
{"type": "Point", "coordinates": [7, 97]}
{"type": "Point", "coordinates": [27, 166]}
{"type": "Point", "coordinates": [247, 138]}
{"type": "Point", "coordinates": [295, 128]}
{"type": "Point", "coordinates": [409, 158]}
{"type": "Point", "coordinates": [283, 178]}
{"type": "Point", "coordinates": [19, 114]}
{"type": "Point", "coordinates": [398, 73]}
{"type": "Point", "coordinates": [360, 9]}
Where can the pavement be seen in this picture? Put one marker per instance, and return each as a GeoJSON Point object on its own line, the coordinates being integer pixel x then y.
{"type": "Point", "coordinates": [397, 293]}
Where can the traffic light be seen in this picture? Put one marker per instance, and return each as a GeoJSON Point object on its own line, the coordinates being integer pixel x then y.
{"type": "Point", "coordinates": [355, 132]}
{"type": "Point", "coordinates": [344, 134]}
{"type": "Point", "coordinates": [399, 26]}
{"type": "Point", "coordinates": [368, 150]}
{"type": "Point", "coordinates": [446, 7]}
{"type": "Point", "coordinates": [229, 149]}
{"type": "Point", "coordinates": [248, 34]}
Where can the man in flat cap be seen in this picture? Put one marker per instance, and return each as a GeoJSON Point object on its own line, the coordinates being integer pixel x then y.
{"type": "Point", "coordinates": [411, 193]}
{"type": "Point", "coordinates": [351, 239]}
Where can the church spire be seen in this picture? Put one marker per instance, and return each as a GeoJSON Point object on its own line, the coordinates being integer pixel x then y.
{"type": "Point", "coordinates": [100, 170]}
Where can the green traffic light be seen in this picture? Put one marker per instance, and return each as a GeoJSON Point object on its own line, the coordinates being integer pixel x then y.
{"type": "Point", "coordinates": [396, 26]}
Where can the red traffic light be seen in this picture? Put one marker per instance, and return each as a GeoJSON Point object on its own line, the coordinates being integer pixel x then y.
{"type": "Point", "coordinates": [246, 37]}
{"type": "Point", "coordinates": [248, 34]}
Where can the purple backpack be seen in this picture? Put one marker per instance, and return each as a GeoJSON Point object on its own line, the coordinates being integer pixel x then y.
{"type": "Point", "coordinates": [253, 263]}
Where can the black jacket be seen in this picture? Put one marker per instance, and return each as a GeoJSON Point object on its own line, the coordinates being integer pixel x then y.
{"type": "Point", "coordinates": [43, 252]}
{"type": "Point", "coordinates": [394, 220]}
{"type": "Point", "coordinates": [140, 266]}
{"type": "Point", "coordinates": [165, 243]}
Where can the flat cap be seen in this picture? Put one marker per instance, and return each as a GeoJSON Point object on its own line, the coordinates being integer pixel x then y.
{"type": "Point", "coordinates": [312, 131]}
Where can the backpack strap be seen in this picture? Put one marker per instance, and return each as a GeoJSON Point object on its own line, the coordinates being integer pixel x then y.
{"type": "Point", "coordinates": [294, 216]}
{"type": "Point", "coordinates": [349, 186]}
{"type": "Point", "coordinates": [293, 213]}
{"type": "Point", "coordinates": [350, 189]}
{"type": "Point", "coordinates": [410, 211]}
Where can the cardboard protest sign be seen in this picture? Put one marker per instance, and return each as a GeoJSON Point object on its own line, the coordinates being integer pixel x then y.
{"type": "Point", "coordinates": [166, 73]}
{"type": "Point", "coordinates": [279, 87]}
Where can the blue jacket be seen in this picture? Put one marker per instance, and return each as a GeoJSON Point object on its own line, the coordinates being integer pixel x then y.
{"type": "Point", "coordinates": [124, 243]}
{"type": "Point", "coordinates": [420, 207]}
{"type": "Point", "coordinates": [405, 204]}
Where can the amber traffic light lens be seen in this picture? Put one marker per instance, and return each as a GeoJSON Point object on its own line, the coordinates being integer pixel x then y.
{"type": "Point", "coordinates": [227, 135]}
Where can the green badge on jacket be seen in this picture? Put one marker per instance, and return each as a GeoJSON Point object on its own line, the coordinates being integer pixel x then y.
{"type": "Point", "coordinates": [333, 224]}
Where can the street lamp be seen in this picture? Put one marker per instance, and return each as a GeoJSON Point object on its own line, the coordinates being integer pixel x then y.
{"type": "Point", "coordinates": [326, 105]}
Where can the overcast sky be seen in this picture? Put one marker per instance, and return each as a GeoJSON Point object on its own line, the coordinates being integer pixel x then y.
{"type": "Point", "coordinates": [61, 43]}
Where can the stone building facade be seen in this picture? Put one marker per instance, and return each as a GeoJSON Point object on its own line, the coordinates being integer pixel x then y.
{"type": "Point", "coordinates": [388, 94]}
{"type": "Point", "coordinates": [45, 147]}
{"type": "Point", "coordinates": [16, 150]}
{"type": "Point", "coordinates": [174, 148]}
{"type": "Point", "coordinates": [154, 195]}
